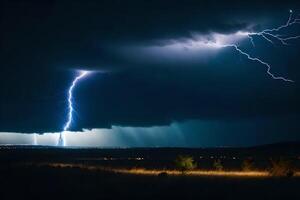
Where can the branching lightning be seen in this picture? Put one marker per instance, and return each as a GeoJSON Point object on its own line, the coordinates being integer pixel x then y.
{"type": "Point", "coordinates": [269, 35]}
{"type": "Point", "coordinates": [70, 106]}
{"type": "Point", "coordinates": [270, 32]}
{"type": "Point", "coordinates": [260, 61]}
{"type": "Point", "coordinates": [216, 41]}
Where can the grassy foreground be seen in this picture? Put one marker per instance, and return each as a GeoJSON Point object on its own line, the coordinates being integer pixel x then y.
{"type": "Point", "coordinates": [65, 181]}
{"type": "Point", "coordinates": [165, 172]}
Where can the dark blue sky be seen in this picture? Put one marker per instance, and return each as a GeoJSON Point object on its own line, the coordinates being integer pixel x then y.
{"type": "Point", "coordinates": [144, 81]}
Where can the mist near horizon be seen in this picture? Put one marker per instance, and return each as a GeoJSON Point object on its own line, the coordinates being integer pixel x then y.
{"type": "Point", "coordinates": [192, 133]}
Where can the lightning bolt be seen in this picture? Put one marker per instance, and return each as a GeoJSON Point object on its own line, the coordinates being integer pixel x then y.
{"type": "Point", "coordinates": [269, 35]}
{"type": "Point", "coordinates": [70, 98]}
{"type": "Point", "coordinates": [270, 32]}
{"type": "Point", "coordinates": [260, 61]}
{"type": "Point", "coordinates": [218, 40]}
{"type": "Point", "coordinates": [61, 141]}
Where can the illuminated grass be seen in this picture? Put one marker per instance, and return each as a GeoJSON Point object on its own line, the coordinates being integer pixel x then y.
{"type": "Point", "coordinates": [148, 172]}
{"type": "Point", "coordinates": [194, 172]}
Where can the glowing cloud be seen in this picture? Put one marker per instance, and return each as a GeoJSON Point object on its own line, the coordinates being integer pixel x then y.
{"type": "Point", "coordinates": [217, 41]}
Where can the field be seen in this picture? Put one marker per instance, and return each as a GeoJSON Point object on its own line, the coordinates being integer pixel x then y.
{"type": "Point", "coordinates": [55, 173]}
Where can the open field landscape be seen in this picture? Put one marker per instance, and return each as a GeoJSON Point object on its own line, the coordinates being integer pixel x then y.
{"type": "Point", "coordinates": [149, 99]}
{"type": "Point", "coordinates": [48, 173]}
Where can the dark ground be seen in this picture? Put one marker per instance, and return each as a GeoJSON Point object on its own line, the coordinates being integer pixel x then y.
{"type": "Point", "coordinates": [21, 181]}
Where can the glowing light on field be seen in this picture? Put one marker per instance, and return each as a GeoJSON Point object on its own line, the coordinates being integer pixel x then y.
{"type": "Point", "coordinates": [149, 172]}
{"type": "Point", "coordinates": [196, 173]}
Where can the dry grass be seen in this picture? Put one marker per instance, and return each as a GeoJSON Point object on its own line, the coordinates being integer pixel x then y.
{"type": "Point", "coordinates": [195, 172]}
{"type": "Point", "coordinates": [148, 172]}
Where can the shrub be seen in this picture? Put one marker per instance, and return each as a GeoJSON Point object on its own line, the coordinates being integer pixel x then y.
{"type": "Point", "coordinates": [163, 174]}
{"type": "Point", "coordinates": [281, 167]}
{"type": "Point", "coordinates": [248, 164]}
{"type": "Point", "coordinates": [218, 165]}
{"type": "Point", "coordinates": [185, 163]}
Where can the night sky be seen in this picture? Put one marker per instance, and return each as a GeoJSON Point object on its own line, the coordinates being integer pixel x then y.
{"type": "Point", "coordinates": [148, 86]}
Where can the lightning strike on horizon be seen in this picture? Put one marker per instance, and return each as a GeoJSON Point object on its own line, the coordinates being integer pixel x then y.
{"type": "Point", "coordinates": [61, 140]}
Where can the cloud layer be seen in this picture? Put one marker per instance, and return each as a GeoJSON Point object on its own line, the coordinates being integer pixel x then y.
{"type": "Point", "coordinates": [138, 84]}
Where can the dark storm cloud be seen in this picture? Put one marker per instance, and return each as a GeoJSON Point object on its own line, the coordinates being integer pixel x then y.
{"type": "Point", "coordinates": [43, 41]}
